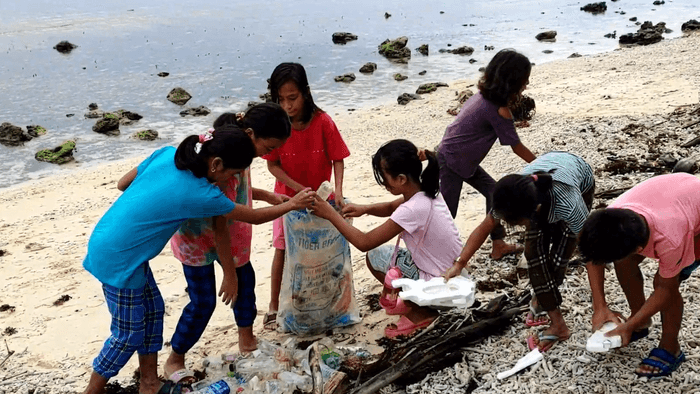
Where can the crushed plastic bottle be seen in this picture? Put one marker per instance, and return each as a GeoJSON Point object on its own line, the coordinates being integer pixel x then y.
{"type": "Point", "coordinates": [301, 382]}
{"type": "Point", "coordinates": [223, 386]}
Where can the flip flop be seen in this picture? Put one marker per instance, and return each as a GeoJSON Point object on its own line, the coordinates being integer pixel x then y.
{"type": "Point", "coordinates": [667, 363]}
{"type": "Point", "coordinates": [180, 375]}
{"type": "Point", "coordinates": [400, 308]}
{"type": "Point", "coordinates": [270, 321]}
{"type": "Point", "coordinates": [406, 327]}
{"type": "Point", "coordinates": [531, 317]}
{"type": "Point", "coordinates": [532, 344]}
{"type": "Point", "coordinates": [639, 334]}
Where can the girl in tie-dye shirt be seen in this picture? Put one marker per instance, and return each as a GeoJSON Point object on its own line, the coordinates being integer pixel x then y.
{"type": "Point", "coordinates": [195, 245]}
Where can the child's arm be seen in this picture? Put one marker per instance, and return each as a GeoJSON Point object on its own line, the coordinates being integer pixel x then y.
{"type": "Point", "coordinates": [276, 170]}
{"type": "Point", "coordinates": [268, 197]}
{"type": "Point", "coordinates": [338, 170]}
{"type": "Point", "coordinates": [666, 292]}
{"type": "Point", "coordinates": [362, 241]}
{"type": "Point", "coordinates": [382, 209]}
{"type": "Point", "coordinates": [243, 213]}
{"type": "Point", "coordinates": [222, 237]}
{"type": "Point", "coordinates": [596, 278]}
{"type": "Point", "coordinates": [524, 153]}
{"type": "Point", "coordinates": [126, 180]}
{"type": "Point", "coordinates": [474, 242]}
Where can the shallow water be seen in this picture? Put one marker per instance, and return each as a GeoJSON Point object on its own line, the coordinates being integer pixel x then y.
{"type": "Point", "coordinates": [222, 52]}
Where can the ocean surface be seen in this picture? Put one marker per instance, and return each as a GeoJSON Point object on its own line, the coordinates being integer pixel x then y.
{"type": "Point", "coordinates": [222, 52]}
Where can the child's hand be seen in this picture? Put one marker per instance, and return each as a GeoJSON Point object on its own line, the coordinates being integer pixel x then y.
{"type": "Point", "coordinates": [624, 331]}
{"type": "Point", "coordinates": [453, 271]}
{"type": "Point", "coordinates": [304, 199]}
{"type": "Point", "coordinates": [323, 209]}
{"type": "Point", "coordinates": [353, 210]}
{"type": "Point", "coordinates": [603, 316]}
{"type": "Point", "coordinates": [229, 289]}
{"type": "Point", "coordinates": [277, 199]}
{"type": "Point", "coordinates": [339, 200]}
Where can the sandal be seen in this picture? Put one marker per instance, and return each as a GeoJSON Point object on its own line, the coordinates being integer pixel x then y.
{"type": "Point", "coordinates": [406, 327]}
{"type": "Point", "coordinates": [399, 308]}
{"type": "Point", "coordinates": [270, 321]}
{"type": "Point", "coordinates": [663, 360]}
{"type": "Point", "coordinates": [533, 317]}
{"type": "Point", "coordinates": [184, 376]}
{"type": "Point", "coordinates": [533, 342]}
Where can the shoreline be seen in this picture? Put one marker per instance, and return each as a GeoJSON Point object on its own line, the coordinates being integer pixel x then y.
{"type": "Point", "coordinates": [45, 223]}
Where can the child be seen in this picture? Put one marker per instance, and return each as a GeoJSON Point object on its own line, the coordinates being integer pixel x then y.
{"type": "Point", "coordinates": [166, 189]}
{"type": "Point", "coordinates": [314, 149]}
{"type": "Point", "coordinates": [484, 118]}
{"type": "Point", "coordinates": [420, 216]}
{"type": "Point", "coordinates": [195, 244]}
{"type": "Point", "coordinates": [658, 219]}
{"type": "Point", "coordinates": [551, 197]}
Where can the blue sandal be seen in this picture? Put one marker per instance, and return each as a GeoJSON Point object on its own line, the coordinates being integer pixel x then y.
{"type": "Point", "coordinates": [667, 363]}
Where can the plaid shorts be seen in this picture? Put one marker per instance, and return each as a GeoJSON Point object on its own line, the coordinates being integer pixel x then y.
{"type": "Point", "coordinates": [137, 325]}
{"type": "Point", "coordinates": [380, 260]}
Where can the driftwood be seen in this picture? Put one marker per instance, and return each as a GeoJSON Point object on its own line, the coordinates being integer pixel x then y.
{"type": "Point", "coordinates": [693, 142]}
{"type": "Point", "coordinates": [693, 123]}
{"type": "Point", "coordinates": [429, 350]}
{"type": "Point", "coordinates": [612, 193]}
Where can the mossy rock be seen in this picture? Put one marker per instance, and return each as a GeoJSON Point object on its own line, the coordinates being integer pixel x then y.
{"type": "Point", "coordinates": [146, 135]}
{"type": "Point", "coordinates": [430, 87]}
{"type": "Point", "coordinates": [35, 130]}
{"type": "Point", "coordinates": [110, 115]}
{"type": "Point", "coordinates": [400, 77]}
{"type": "Point", "coordinates": [179, 96]}
{"type": "Point", "coordinates": [108, 125]}
{"type": "Point", "coordinates": [59, 155]}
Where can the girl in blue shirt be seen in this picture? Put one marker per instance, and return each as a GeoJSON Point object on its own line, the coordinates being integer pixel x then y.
{"type": "Point", "coordinates": [166, 189]}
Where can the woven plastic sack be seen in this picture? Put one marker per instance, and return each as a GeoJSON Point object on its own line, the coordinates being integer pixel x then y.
{"type": "Point", "coordinates": [317, 290]}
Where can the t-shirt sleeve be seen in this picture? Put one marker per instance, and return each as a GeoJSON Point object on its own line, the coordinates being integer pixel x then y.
{"type": "Point", "coordinates": [505, 129]}
{"type": "Point", "coordinates": [579, 210]}
{"type": "Point", "coordinates": [672, 259]}
{"type": "Point", "coordinates": [272, 156]}
{"type": "Point", "coordinates": [142, 167]}
{"type": "Point", "coordinates": [207, 201]}
{"type": "Point", "coordinates": [335, 146]}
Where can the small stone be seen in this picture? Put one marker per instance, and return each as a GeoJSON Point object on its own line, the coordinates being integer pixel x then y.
{"type": "Point", "coordinates": [179, 96]}
{"type": "Point", "coordinates": [399, 77]}
{"type": "Point", "coordinates": [65, 47]}
{"type": "Point", "coordinates": [197, 111]}
{"type": "Point", "coordinates": [146, 135]}
{"type": "Point", "coordinates": [343, 37]}
{"type": "Point", "coordinates": [163, 74]}
{"type": "Point", "coordinates": [549, 36]}
{"type": "Point", "coordinates": [345, 78]}
{"type": "Point", "coordinates": [368, 68]}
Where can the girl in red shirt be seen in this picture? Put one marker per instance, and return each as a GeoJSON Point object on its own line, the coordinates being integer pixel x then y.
{"type": "Point", "coordinates": [313, 151]}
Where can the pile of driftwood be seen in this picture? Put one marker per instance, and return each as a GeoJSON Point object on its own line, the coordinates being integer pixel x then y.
{"type": "Point", "coordinates": [439, 346]}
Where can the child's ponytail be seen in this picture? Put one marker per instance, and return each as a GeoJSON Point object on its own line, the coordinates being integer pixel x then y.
{"type": "Point", "coordinates": [227, 142]}
{"type": "Point", "coordinates": [430, 178]}
{"type": "Point", "coordinates": [516, 197]}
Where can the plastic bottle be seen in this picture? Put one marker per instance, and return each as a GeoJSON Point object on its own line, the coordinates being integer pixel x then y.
{"type": "Point", "coordinates": [223, 386]}
{"type": "Point", "coordinates": [266, 347]}
{"type": "Point", "coordinates": [302, 382]}
{"type": "Point", "coordinates": [261, 365]}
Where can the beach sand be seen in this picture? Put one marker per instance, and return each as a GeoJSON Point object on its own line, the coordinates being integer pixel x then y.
{"type": "Point", "coordinates": [45, 224]}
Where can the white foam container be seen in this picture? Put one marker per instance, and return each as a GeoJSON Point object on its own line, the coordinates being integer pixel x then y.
{"type": "Point", "coordinates": [458, 292]}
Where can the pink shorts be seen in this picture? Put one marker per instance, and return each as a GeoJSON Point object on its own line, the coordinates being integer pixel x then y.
{"type": "Point", "coordinates": [278, 233]}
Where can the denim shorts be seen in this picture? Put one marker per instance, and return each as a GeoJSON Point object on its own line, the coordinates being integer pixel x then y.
{"type": "Point", "coordinates": [380, 260]}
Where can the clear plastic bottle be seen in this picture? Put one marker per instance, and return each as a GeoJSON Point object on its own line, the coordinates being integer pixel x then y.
{"type": "Point", "coordinates": [302, 382]}
{"type": "Point", "coordinates": [259, 365]}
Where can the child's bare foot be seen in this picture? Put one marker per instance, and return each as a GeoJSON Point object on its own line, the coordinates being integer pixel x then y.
{"type": "Point", "coordinates": [500, 249]}
{"type": "Point", "coordinates": [546, 339]}
{"type": "Point", "coordinates": [247, 341]}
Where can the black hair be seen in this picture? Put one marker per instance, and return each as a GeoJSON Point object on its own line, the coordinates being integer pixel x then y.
{"type": "Point", "coordinates": [267, 120]}
{"type": "Point", "coordinates": [504, 77]}
{"type": "Point", "coordinates": [611, 234]}
{"type": "Point", "coordinates": [229, 143]}
{"type": "Point", "coordinates": [295, 72]}
{"type": "Point", "coordinates": [516, 197]}
{"type": "Point", "coordinates": [401, 157]}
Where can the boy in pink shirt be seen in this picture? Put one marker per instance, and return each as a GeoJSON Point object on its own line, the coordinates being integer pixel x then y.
{"type": "Point", "coordinates": [658, 219]}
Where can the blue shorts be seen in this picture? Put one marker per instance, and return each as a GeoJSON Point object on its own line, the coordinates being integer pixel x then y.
{"type": "Point", "coordinates": [137, 325]}
{"type": "Point", "coordinates": [380, 259]}
{"type": "Point", "coordinates": [685, 272]}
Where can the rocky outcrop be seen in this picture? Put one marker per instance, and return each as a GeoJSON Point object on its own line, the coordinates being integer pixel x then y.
{"type": "Point", "coordinates": [61, 154]}
{"type": "Point", "coordinates": [574, 55]}
{"type": "Point", "coordinates": [65, 47]}
{"type": "Point", "coordinates": [430, 87]}
{"type": "Point", "coordinates": [595, 8]}
{"type": "Point", "coordinates": [547, 36]}
{"type": "Point", "coordinates": [646, 35]}
{"type": "Point", "coordinates": [400, 77]}
{"type": "Point", "coordinates": [691, 25]}
{"type": "Point", "coordinates": [197, 111]}
{"type": "Point", "coordinates": [423, 49]}
{"type": "Point", "coordinates": [342, 37]}
{"type": "Point", "coordinates": [349, 77]}
{"type": "Point", "coordinates": [407, 97]}
{"type": "Point", "coordinates": [368, 68]}
{"type": "Point", "coordinates": [395, 49]}
{"type": "Point", "coordinates": [127, 117]}
{"type": "Point", "coordinates": [11, 135]}
{"type": "Point", "coordinates": [145, 135]}
{"type": "Point", "coordinates": [463, 50]}
{"type": "Point", "coordinates": [35, 130]}
{"type": "Point", "coordinates": [108, 125]}
{"type": "Point", "coordinates": [179, 96]}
